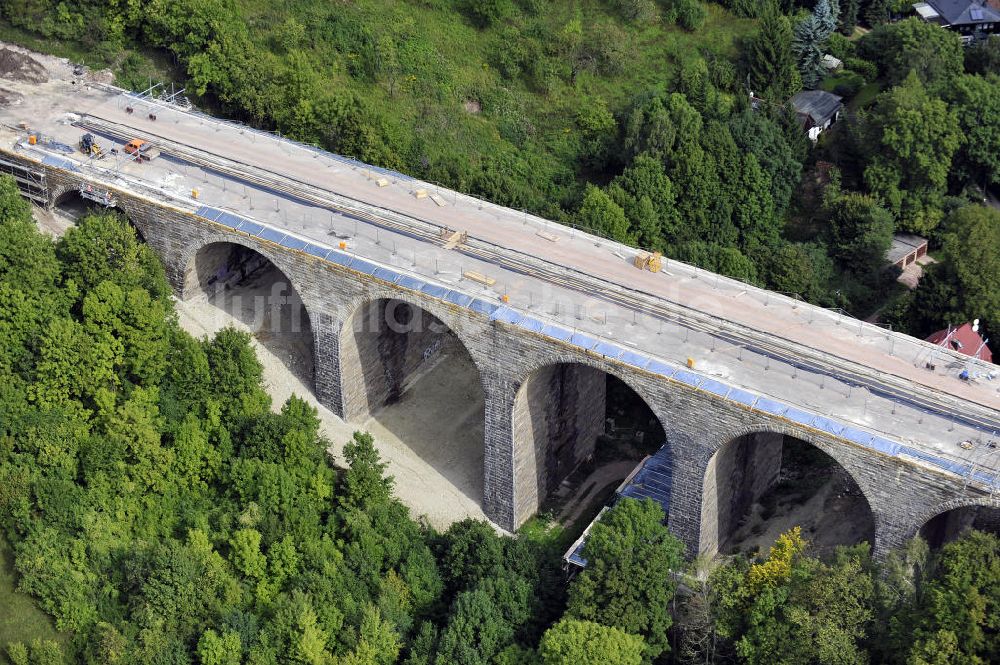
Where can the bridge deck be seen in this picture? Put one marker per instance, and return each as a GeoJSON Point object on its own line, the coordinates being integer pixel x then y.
{"type": "Point", "coordinates": [746, 336]}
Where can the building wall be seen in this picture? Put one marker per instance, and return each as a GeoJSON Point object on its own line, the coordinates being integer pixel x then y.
{"type": "Point", "coordinates": [902, 495]}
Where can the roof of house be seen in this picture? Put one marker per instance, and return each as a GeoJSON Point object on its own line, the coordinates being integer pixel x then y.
{"type": "Point", "coordinates": [903, 244]}
{"type": "Point", "coordinates": [816, 105]}
{"type": "Point", "coordinates": [963, 12]}
{"type": "Point", "coordinates": [964, 340]}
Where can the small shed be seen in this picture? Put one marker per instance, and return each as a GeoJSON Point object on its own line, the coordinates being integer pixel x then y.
{"type": "Point", "coordinates": [905, 249]}
{"type": "Point", "coordinates": [816, 110]}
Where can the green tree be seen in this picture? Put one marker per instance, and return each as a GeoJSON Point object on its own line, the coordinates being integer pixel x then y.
{"type": "Point", "coordinates": [966, 284]}
{"type": "Point", "coordinates": [771, 66]}
{"type": "Point", "coordinates": [933, 53]}
{"type": "Point", "coordinates": [860, 232]}
{"type": "Point", "coordinates": [106, 248]}
{"type": "Point", "coordinates": [628, 582]}
{"type": "Point", "coordinates": [792, 608]}
{"type": "Point", "coordinates": [983, 57]}
{"type": "Point", "coordinates": [572, 642]}
{"type": "Point", "coordinates": [601, 214]}
{"type": "Point", "coordinates": [807, 45]}
{"type": "Point", "coordinates": [955, 610]}
{"type": "Point", "coordinates": [976, 102]}
{"type": "Point", "coordinates": [850, 9]}
{"type": "Point", "coordinates": [912, 139]}
{"type": "Point", "coordinates": [215, 649]}
{"type": "Point", "coordinates": [804, 269]}
{"type": "Point", "coordinates": [647, 197]}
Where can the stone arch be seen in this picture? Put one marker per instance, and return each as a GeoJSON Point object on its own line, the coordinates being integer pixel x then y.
{"type": "Point", "coordinates": [744, 463]}
{"type": "Point", "coordinates": [949, 519]}
{"type": "Point", "coordinates": [62, 195]}
{"type": "Point", "coordinates": [410, 373]}
{"type": "Point", "coordinates": [558, 412]}
{"type": "Point", "coordinates": [254, 289]}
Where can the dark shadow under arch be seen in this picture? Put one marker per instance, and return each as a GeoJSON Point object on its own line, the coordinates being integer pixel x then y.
{"type": "Point", "coordinates": [248, 290]}
{"type": "Point", "coordinates": [72, 205]}
{"type": "Point", "coordinates": [760, 484]}
{"type": "Point", "coordinates": [577, 431]}
{"type": "Point", "coordinates": [949, 525]}
{"type": "Point", "coordinates": [404, 371]}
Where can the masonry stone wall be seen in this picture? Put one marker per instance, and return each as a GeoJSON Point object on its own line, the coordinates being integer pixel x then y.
{"type": "Point", "coordinates": [736, 477]}
{"type": "Point", "coordinates": [383, 348]}
{"type": "Point", "coordinates": [558, 414]}
{"type": "Point", "coordinates": [902, 495]}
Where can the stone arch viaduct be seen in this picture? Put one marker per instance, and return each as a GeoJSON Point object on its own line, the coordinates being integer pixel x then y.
{"type": "Point", "coordinates": [719, 439]}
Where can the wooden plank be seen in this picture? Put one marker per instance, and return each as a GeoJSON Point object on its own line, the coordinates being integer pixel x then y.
{"type": "Point", "coordinates": [551, 237]}
{"type": "Point", "coordinates": [454, 240]}
{"type": "Point", "coordinates": [477, 277]}
{"type": "Point", "coordinates": [438, 200]}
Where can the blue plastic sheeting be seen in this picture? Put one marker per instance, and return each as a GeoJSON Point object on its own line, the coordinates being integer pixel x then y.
{"type": "Point", "coordinates": [715, 387]}
{"type": "Point", "coordinates": [743, 397]}
{"type": "Point", "coordinates": [363, 266]}
{"type": "Point", "coordinates": [434, 290]}
{"type": "Point", "coordinates": [884, 445]}
{"type": "Point", "coordinates": [60, 163]}
{"type": "Point", "coordinates": [609, 350]}
{"type": "Point", "coordinates": [250, 228]}
{"type": "Point", "coordinates": [507, 315]}
{"type": "Point", "coordinates": [634, 359]}
{"type": "Point", "coordinates": [555, 332]}
{"type": "Point", "coordinates": [688, 378]}
{"type": "Point", "coordinates": [799, 416]}
{"type": "Point", "coordinates": [272, 235]}
{"type": "Point", "coordinates": [208, 213]}
{"type": "Point", "coordinates": [459, 298]}
{"type": "Point", "coordinates": [292, 242]}
{"type": "Point", "coordinates": [533, 325]}
{"type": "Point", "coordinates": [768, 405]}
{"type": "Point", "coordinates": [386, 274]}
{"type": "Point", "coordinates": [824, 424]}
{"type": "Point", "coordinates": [411, 283]}
{"type": "Point", "coordinates": [316, 250]}
{"type": "Point", "coordinates": [660, 368]}
{"type": "Point", "coordinates": [483, 307]}
{"type": "Point", "coordinates": [583, 341]}
{"type": "Point", "coordinates": [339, 258]}
{"type": "Point", "coordinates": [857, 436]}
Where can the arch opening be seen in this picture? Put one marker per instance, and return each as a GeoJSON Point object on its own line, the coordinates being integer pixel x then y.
{"type": "Point", "coordinates": [70, 206]}
{"type": "Point", "coordinates": [578, 433]}
{"type": "Point", "coordinates": [230, 284]}
{"type": "Point", "coordinates": [411, 381]}
{"type": "Point", "coordinates": [759, 485]}
{"type": "Point", "coordinates": [951, 524]}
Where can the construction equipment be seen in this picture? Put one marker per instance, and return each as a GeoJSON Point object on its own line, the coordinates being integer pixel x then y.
{"type": "Point", "coordinates": [90, 147]}
{"type": "Point", "coordinates": [141, 150]}
{"type": "Point", "coordinates": [651, 261]}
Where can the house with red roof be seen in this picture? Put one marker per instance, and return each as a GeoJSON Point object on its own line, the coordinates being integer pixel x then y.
{"type": "Point", "coordinates": [964, 339]}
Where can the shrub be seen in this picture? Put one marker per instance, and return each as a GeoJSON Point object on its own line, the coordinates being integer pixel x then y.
{"type": "Point", "coordinates": [865, 68]}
